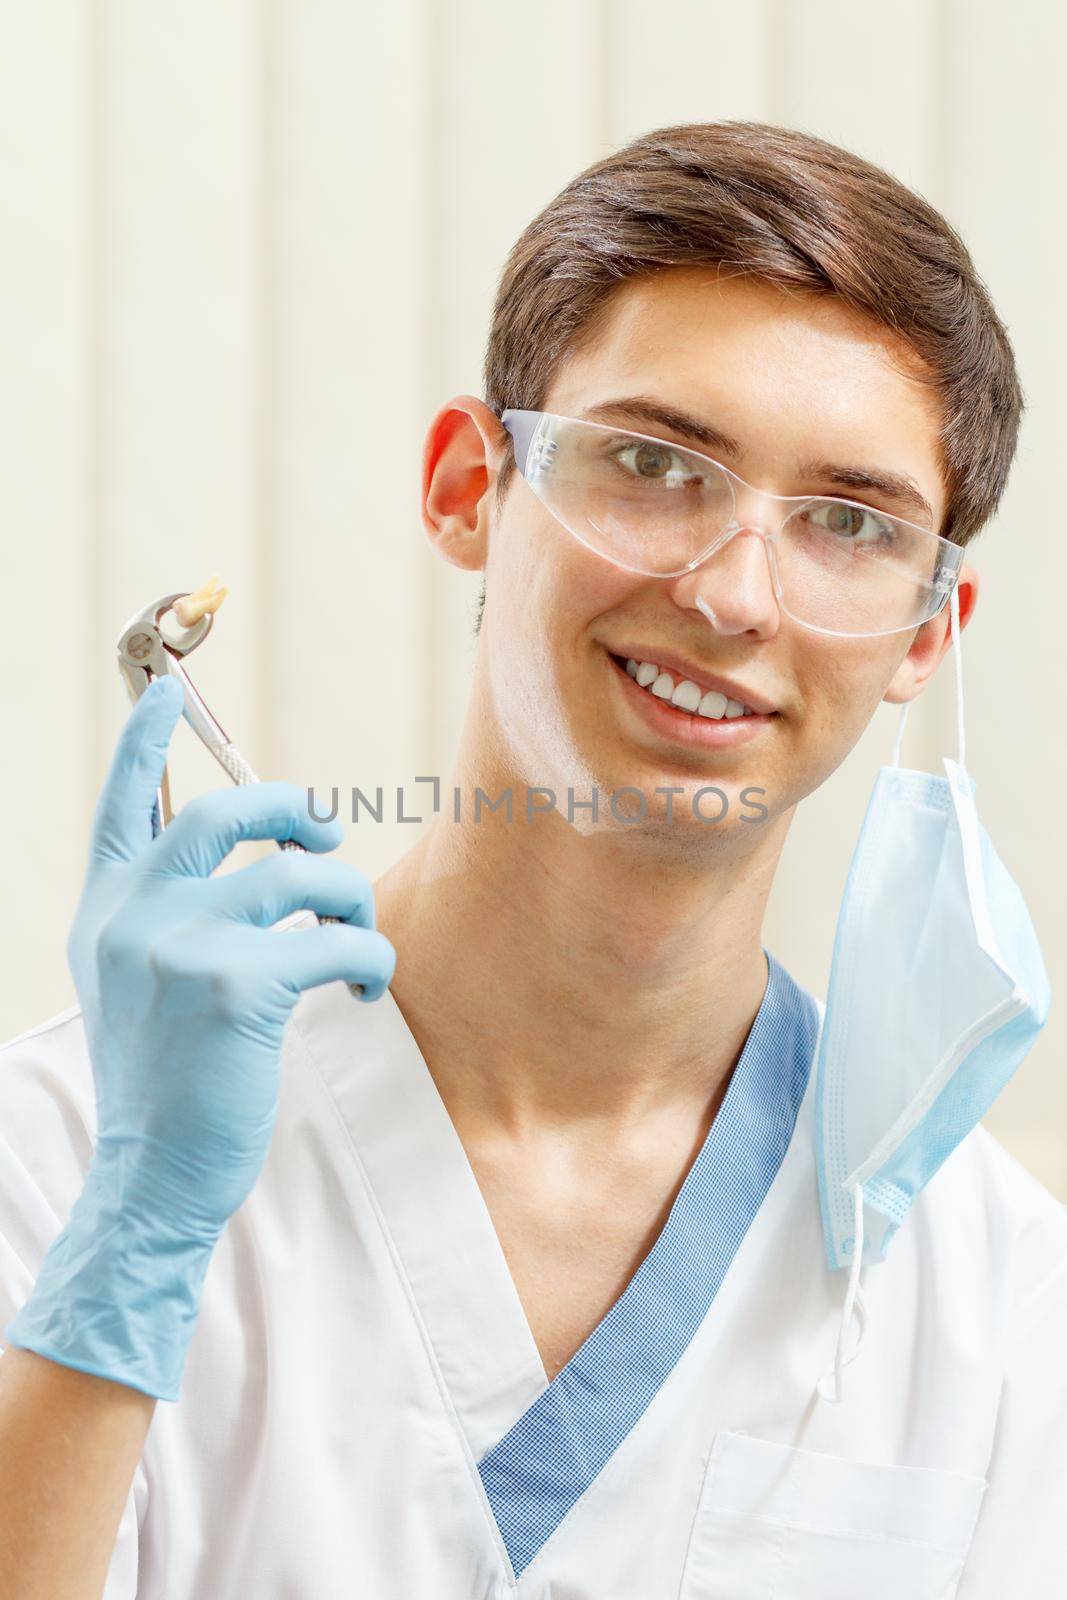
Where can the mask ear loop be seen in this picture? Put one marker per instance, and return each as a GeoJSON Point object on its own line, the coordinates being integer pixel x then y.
{"type": "Point", "coordinates": [894, 760]}
{"type": "Point", "coordinates": [853, 1301]}
{"type": "Point", "coordinates": [954, 621]}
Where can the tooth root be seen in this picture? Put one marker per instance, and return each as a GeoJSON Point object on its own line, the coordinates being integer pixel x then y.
{"type": "Point", "coordinates": [687, 696]}
{"type": "Point", "coordinates": [713, 704]}
{"type": "Point", "coordinates": [734, 708]}
{"type": "Point", "coordinates": [189, 608]}
{"type": "Point", "coordinates": [663, 687]}
{"type": "Point", "coordinates": [647, 673]}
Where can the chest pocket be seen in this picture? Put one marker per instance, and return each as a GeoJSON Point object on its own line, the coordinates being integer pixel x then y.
{"type": "Point", "coordinates": [776, 1523]}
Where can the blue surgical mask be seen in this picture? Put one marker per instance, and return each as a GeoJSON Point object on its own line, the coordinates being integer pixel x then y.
{"type": "Point", "coordinates": [937, 991]}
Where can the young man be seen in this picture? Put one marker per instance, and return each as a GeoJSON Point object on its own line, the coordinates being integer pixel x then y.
{"type": "Point", "coordinates": [521, 1286]}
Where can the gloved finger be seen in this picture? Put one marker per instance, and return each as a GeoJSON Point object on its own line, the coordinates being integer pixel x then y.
{"type": "Point", "coordinates": [267, 891]}
{"type": "Point", "coordinates": [207, 828]}
{"type": "Point", "coordinates": [304, 957]}
{"type": "Point", "coordinates": [122, 822]}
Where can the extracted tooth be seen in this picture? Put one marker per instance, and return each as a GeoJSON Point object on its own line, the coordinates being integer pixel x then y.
{"type": "Point", "coordinates": [189, 608]}
{"type": "Point", "coordinates": [713, 704]}
{"type": "Point", "coordinates": [631, 667]}
{"type": "Point", "coordinates": [663, 687]}
{"type": "Point", "coordinates": [647, 672]}
{"type": "Point", "coordinates": [176, 625]}
{"type": "Point", "coordinates": [687, 696]}
{"type": "Point", "coordinates": [734, 708]}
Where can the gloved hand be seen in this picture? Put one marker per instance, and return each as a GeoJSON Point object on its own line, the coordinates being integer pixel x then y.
{"type": "Point", "coordinates": [185, 991]}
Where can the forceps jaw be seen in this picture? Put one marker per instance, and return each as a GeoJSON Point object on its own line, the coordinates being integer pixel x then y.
{"type": "Point", "coordinates": [145, 652]}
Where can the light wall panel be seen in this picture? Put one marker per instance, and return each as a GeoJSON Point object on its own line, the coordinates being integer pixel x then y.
{"type": "Point", "coordinates": [47, 637]}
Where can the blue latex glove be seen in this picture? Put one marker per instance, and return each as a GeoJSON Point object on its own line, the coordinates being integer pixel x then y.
{"type": "Point", "coordinates": [185, 991]}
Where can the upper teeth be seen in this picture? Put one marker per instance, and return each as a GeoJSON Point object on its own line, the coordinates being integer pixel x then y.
{"type": "Point", "coordinates": [687, 696]}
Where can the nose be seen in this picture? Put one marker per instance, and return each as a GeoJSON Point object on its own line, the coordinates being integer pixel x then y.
{"type": "Point", "coordinates": [734, 587]}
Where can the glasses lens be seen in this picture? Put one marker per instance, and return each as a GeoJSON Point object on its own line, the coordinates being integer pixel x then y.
{"type": "Point", "coordinates": [649, 506]}
{"type": "Point", "coordinates": [656, 508]}
{"type": "Point", "coordinates": [852, 569]}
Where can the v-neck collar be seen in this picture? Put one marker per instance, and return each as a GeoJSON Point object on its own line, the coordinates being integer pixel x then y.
{"type": "Point", "coordinates": [429, 1203]}
{"type": "Point", "coordinates": [538, 1444]}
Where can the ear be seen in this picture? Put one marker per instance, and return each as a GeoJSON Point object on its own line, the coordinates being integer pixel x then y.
{"type": "Point", "coordinates": [931, 641]}
{"type": "Point", "coordinates": [461, 458]}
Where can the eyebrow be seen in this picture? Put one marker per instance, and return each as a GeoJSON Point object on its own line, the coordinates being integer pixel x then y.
{"type": "Point", "coordinates": [895, 486]}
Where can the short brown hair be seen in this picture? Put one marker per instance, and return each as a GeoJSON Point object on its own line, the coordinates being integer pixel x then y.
{"type": "Point", "coordinates": [789, 209]}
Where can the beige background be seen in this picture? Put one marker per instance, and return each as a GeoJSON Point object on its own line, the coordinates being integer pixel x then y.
{"type": "Point", "coordinates": [248, 248]}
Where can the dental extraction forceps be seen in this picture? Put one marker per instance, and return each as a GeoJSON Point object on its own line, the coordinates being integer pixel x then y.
{"type": "Point", "coordinates": [145, 652]}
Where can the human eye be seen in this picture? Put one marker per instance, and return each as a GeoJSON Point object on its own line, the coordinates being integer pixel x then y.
{"type": "Point", "coordinates": [650, 461]}
{"type": "Point", "coordinates": [852, 523]}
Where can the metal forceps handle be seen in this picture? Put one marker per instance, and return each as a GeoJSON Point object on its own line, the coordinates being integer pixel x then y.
{"type": "Point", "coordinates": [145, 653]}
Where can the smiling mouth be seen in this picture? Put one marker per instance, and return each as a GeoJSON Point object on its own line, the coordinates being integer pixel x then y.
{"type": "Point", "coordinates": [685, 697]}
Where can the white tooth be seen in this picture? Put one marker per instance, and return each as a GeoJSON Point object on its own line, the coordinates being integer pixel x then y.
{"type": "Point", "coordinates": [647, 672]}
{"type": "Point", "coordinates": [663, 687]}
{"type": "Point", "coordinates": [713, 704]}
{"type": "Point", "coordinates": [631, 667]}
{"type": "Point", "coordinates": [734, 708]}
{"type": "Point", "coordinates": [686, 697]}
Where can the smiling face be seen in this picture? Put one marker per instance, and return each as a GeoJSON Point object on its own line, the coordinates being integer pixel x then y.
{"type": "Point", "coordinates": [791, 379]}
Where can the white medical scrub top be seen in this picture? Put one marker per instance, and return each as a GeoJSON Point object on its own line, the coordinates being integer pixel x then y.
{"type": "Point", "coordinates": [364, 1411]}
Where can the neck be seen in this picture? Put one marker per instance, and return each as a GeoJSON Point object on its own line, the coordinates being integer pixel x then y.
{"type": "Point", "coordinates": [551, 976]}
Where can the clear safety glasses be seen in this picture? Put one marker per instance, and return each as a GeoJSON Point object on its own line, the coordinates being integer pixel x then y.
{"type": "Point", "coordinates": [656, 508]}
